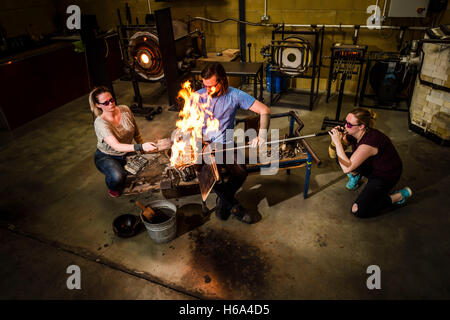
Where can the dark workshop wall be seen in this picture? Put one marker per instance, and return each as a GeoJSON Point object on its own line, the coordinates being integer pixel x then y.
{"type": "Point", "coordinates": [16, 16]}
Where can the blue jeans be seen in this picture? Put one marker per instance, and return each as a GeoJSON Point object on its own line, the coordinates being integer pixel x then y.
{"type": "Point", "coordinates": [113, 169]}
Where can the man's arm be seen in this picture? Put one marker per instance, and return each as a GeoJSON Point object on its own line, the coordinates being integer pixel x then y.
{"type": "Point", "coordinates": [264, 121]}
{"type": "Point", "coordinates": [259, 108]}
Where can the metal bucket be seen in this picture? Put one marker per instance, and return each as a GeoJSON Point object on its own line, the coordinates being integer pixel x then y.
{"type": "Point", "coordinates": [165, 231]}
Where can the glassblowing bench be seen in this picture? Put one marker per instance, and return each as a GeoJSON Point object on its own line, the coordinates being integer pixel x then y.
{"type": "Point", "coordinates": [292, 155]}
{"type": "Point", "coordinates": [174, 183]}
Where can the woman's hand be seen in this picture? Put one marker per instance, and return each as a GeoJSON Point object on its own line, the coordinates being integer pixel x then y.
{"type": "Point", "coordinates": [336, 136]}
{"type": "Point", "coordinates": [149, 147]}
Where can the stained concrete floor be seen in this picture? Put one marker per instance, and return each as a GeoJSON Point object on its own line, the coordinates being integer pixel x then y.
{"type": "Point", "coordinates": [55, 212]}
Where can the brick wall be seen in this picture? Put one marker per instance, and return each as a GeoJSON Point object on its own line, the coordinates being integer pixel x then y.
{"type": "Point", "coordinates": [226, 35]}
{"type": "Point", "coordinates": [430, 108]}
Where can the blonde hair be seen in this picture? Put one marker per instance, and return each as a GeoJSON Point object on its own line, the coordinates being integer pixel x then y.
{"type": "Point", "coordinates": [365, 116]}
{"type": "Point", "coordinates": [93, 99]}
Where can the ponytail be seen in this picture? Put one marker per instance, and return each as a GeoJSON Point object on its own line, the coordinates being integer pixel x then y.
{"type": "Point", "coordinates": [373, 118]}
{"type": "Point", "coordinates": [366, 117]}
{"type": "Point", "coordinates": [93, 99]}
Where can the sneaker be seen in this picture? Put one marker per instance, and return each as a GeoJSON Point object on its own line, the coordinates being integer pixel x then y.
{"type": "Point", "coordinates": [353, 181]}
{"type": "Point", "coordinates": [113, 194]}
{"type": "Point", "coordinates": [406, 193]}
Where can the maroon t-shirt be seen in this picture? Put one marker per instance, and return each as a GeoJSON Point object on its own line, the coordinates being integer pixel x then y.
{"type": "Point", "coordinates": [386, 164]}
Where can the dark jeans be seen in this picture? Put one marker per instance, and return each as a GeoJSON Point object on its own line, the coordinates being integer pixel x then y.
{"type": "Point", "coordinates": [374, 198]}
{"type": "Point", "coordinates": [112, 168]}
{"type": "Point", "coordinates": [237, 173]}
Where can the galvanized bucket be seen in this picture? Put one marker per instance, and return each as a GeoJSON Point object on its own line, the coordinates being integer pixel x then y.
{"type": "Point", "coordinates": [165, 231]}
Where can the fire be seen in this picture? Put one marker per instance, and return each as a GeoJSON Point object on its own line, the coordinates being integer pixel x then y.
{"type": "Point", "coordinates": [192, 120]}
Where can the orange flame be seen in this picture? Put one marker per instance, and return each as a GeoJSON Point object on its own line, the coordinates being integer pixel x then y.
{"type": "Point", "coordinates": [192, 119]}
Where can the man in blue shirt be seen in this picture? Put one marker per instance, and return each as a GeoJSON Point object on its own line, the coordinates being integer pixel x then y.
{"type": "Point", "coordinates": [225, 101]}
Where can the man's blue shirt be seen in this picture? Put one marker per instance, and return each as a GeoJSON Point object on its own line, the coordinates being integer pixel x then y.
{"type": "Point", "coordinates": [224, 109]}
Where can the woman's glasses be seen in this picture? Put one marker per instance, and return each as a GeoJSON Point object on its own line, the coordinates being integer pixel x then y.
{"type": "Point", "coordinates": [349, 125]}
{"type": "Point", "coordinates": [107, 102]}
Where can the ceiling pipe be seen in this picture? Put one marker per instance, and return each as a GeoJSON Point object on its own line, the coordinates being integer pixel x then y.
{"type": "Point", "coordinates": [339, 26]}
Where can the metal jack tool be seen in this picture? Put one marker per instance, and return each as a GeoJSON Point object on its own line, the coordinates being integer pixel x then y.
{"type": "Point", "coordinates": [137, 108]}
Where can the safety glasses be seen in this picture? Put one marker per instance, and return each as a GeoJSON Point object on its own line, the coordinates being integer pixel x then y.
{"type": "Point", "coordinates": [349, 125]}
{"type": "Point", "coordinates": [107, 102]}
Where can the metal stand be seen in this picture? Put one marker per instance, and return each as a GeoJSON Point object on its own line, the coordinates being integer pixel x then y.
{"type": "Point", "coordinates": [138, 108]}
{"type": "Point", "coordinates": [332, 77]}
{"type": "Point", "coordinates": [336, 122]}
{"type": "Point", "coordinates": [344, 58]}
{"type": "Point", "coordinates": [313, 75]}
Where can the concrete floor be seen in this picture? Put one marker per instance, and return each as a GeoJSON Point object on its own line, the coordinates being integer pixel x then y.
{"type": "Point", "coordinates": [55, 212]}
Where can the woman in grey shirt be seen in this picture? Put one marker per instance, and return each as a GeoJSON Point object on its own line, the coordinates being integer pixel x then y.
{"type": "Point", "coordinates": [115, 128]}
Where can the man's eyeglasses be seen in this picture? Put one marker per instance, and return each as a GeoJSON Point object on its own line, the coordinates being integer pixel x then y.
{"type": "Point", "coordinates": [107, 102]}
{"type": "Point", "coordinates": [349, 125]}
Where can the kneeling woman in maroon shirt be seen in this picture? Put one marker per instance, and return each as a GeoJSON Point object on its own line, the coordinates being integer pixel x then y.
{"type": "Point", "coordinates": [375, 157]}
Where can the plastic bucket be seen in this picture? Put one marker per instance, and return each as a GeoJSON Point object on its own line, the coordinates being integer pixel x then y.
{"type": "Point", "coordinates": [165, 231]}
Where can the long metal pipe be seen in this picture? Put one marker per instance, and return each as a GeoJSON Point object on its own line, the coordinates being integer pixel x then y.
{"type": "Point", "coordinates": [271, 142]}
{"type": "Point", "coordinates": [339, 26]}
